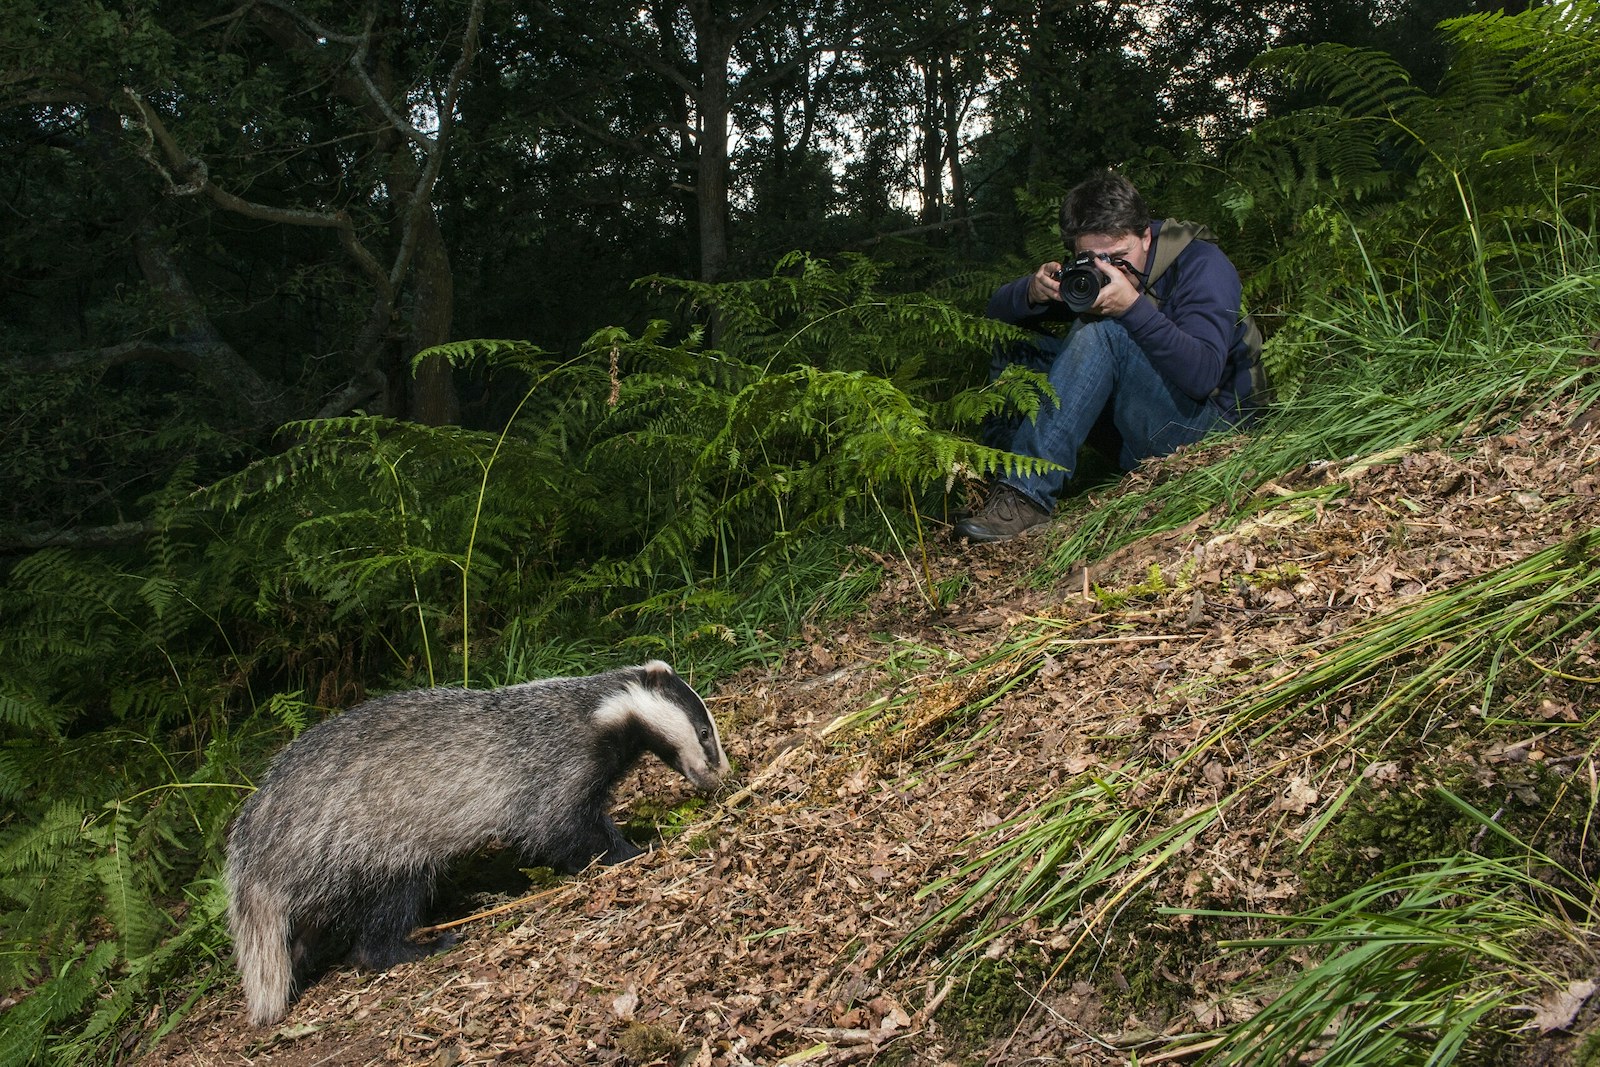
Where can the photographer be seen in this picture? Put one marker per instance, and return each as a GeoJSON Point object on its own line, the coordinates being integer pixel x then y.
{"type": "Point", "coordinates": [1158, 355]}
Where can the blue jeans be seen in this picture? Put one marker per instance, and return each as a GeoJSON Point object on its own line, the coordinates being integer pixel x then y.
{"type": "Point", "coordinates": [1096, 370]}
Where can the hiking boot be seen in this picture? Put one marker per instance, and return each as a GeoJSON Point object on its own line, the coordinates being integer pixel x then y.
{"type": "Point", "coordinates": [1003, 516]}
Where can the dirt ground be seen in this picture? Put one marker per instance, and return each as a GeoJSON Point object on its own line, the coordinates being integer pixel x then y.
{"type": "Point", "coordinates": [764, 931]}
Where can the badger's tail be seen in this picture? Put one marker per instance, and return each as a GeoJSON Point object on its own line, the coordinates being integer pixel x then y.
{"type": "Point", "coordinates": [260, 925]}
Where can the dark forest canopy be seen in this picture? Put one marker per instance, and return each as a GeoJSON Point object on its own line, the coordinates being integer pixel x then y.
{"type": "Point", "coordinates": [274, 205]}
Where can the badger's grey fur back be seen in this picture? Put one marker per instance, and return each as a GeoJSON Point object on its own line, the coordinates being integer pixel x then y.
{"type": "Point", "coordinates": [337, 852]}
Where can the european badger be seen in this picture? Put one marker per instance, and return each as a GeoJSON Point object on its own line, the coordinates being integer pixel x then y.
{"type": "Point", "coordinates": [338, 850]}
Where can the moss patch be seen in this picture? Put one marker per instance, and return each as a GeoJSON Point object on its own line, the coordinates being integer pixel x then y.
{"type": "Point", "coordinates": [993, 997]}
{"type": "Point", "coordinates": [1383, 827]}
{"type": "Point", "coordinates": [645, 1043]}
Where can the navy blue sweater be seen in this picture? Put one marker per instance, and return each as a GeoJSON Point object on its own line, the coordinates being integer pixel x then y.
{"type": "Point", "coordinates": [1195, 339]}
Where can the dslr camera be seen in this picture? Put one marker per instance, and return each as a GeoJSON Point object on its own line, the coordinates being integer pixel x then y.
{"type": "Point", "coordinates": [1081, 281]}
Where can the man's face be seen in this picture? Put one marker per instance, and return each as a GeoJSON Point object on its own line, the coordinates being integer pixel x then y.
{"type": "Point", "coordinates": [1133, 247]}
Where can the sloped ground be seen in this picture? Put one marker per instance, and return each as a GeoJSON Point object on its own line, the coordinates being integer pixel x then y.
{"type": "Point", "coordinates": [761, 934]}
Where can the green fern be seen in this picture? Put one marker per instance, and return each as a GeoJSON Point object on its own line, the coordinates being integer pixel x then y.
{"type": "Point", "coordinates": [1454, 196]}
{"type": "Point", "coordinates": [1558, 45]}
{"type": "Point", "coordinates": [689, 461]}
{"type": "Point", "coordinates": [129, 877]}
{"type": "Point", "coordinates": [786, 453]}
{"type": "Point", "coordinates": [30, 1023]}
{"type": "Point", "coordinates": [25, 714]}
{"type": "Point", "coordinates": [201, 945]}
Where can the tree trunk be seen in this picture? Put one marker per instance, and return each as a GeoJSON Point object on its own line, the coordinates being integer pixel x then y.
{"type": "Point", "coordinates": [433, 393]}
{"type": "Point", "coordinates": [713, 46]}
{"type": "Point", "coordinates": [932, 145]}
{"type": "Point", "coordinates": [953, 106]}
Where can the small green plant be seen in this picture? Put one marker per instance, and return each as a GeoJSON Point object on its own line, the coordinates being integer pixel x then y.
{"type": "Point", "coordinates": [992, 996]}
{"type": "Point", "coordinates": [1154, 585]}
{"type": "Point", "coordinates": [1277, 576]}
{"type": "Point", "coordinates": [648, 819]}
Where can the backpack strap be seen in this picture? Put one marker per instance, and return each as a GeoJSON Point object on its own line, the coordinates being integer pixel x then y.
{"type": "Point", "coordinates": [1175, 236]}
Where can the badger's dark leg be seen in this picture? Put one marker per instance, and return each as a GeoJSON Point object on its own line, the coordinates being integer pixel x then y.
{"type": "Point", "coordinates": [395, 909]}
{"type": "Point", "coordinates": [312, 947]}
{"type": "Point", "coordinates": [583, 840]}
{"type": "Point", "coordinates": [618, 848]}
{"type": "Point", "coordinates": [321, 936]}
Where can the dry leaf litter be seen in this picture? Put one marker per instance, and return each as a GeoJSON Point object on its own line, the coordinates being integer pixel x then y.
{"type": "Point", "coordinates": [872, 756]}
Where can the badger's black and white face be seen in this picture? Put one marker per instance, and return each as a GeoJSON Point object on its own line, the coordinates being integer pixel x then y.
{"type": "Point", "coordinates": [682, 731]}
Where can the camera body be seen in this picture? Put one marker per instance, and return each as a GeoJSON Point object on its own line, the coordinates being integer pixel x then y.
{"type": "Point", "coordinates": [1081, 281]}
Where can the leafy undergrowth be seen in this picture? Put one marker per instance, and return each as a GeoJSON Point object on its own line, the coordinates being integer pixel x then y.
{"type": "Point", "coordinates": [1055, 824]}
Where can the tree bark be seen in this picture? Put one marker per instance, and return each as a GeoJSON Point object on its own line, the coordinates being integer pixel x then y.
{"type": "Point", "coordinates": [713, 52]}
{"type": "Point", "coordinates": [932, 154]}
{"type": "Point", "coordinates": [954, 110]}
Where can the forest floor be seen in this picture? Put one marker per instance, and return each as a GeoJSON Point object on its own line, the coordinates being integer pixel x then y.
{"type": "Point", "coordinates": [873, 757]}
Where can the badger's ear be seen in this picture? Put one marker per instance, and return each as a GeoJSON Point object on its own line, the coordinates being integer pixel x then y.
{"type": "Point", "coordinates": [657, 671]}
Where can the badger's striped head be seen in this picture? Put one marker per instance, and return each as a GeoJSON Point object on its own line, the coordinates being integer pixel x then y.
{"type": "Point", "coordinates": [674, 720]}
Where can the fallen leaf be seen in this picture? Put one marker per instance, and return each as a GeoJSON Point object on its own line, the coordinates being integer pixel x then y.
{"type": "Point", "coordinates": [1560, 1007]}
{"type": "Point", "coordinates": [1383, 771]}
{"type": "Point", "coordinates": [1299, 796]}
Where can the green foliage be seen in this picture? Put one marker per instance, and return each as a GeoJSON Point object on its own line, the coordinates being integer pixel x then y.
{"type": "Point", "coordinates": [29, 1024]}
{"type": "Point", "coordinates": [394, 528]}
{"type": "Point", "coordinates": [132, 877]}
{"type": "Point", "coordinates": [1421, 964]}
{"type": "Point", "coordinates": [648, 474]}
{"type": "Point", "coordinates": [646, 496]}
{"type": "Point", "coordinates": [76, 865]}
{"type": "Point", "coordinates": [1549, 55]}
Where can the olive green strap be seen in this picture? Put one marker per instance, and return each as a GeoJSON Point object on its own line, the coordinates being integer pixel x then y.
{"type": "Point", "coordinates": [1174, 237]}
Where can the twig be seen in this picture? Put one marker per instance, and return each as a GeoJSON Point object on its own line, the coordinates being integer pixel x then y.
{"type": "Point", "coordinates": [498, 909]}
{"type": "Point", "coordinates": [1182, 1053]}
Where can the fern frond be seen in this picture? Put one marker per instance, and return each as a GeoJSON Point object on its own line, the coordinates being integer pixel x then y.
{"type": "Point", "coordinates": [28, 1024]}
{"type": "Point", "coordinates": [27, 715]}
{"type": "Point", "coordinates": [44, 844]}
{"type": "Point", "coordinates": [202, 937]}
{"type": "Point", "coordinates": [129, 880]}
{"type": "Point", "coordinates": [1558, 44]}
{"type": "Point", "coordinates": [1355, 81]}
{"type": "Point", "coordinates": [501, 353]}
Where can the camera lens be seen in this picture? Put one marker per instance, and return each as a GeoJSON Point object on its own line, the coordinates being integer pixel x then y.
{"type": "Point", "coordinates": [1080, 284]}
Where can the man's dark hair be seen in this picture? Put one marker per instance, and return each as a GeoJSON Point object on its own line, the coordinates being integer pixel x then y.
{"type": "Point", "coordinates": [1106, 203]}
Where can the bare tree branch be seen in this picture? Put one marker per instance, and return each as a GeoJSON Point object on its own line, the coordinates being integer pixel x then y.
{"type": "Point", "coordinates": [197, 179]}
{"type": "Point", "coordinates": [33, 537]}
{"type": "Point", "coordinates": [422, 194]}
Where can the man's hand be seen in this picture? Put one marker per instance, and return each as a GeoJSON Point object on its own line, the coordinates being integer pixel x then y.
{"type": "Point", "coordinates": [1043, 287]}
{"type": "Point", "coordinates": [1117, 294]}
